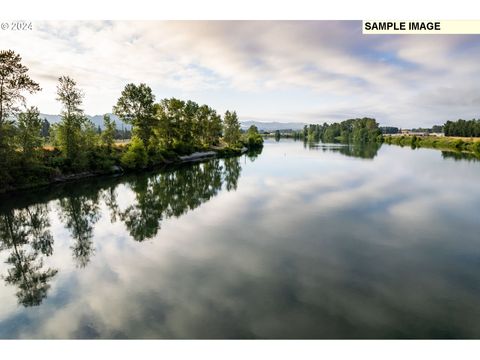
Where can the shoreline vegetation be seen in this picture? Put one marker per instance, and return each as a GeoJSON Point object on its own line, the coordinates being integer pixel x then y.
{"type": "Point", "coordinates": [34, 153]}
{"type": "Point", "coordinates": [164, 132]}
{"type": "Point", "coordinates": [445, 143]}
{"type": "Point", "coordinates": [462, 136]}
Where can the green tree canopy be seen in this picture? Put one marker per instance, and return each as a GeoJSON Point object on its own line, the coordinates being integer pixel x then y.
{"type": "Point", "coordinates": [68, 133]}
{"type": "Point", "coordinates": [231, 128]}
{"type": "Point", "coordinates": [14, 82]}
{"type": "Point", "coordinates": [109, 131]}
{"type": "Point", "coordinates": [29, 136]}
{"type": "Point", "coordinates": [136, 107]}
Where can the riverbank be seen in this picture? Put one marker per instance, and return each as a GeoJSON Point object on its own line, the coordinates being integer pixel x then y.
{"type": "Point", "coordinates": [117, 170]}
{"type": "Point", "coordinates": [447, 143]}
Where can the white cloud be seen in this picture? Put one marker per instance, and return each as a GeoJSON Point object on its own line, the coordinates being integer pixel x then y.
{"type": "Point", "coordinates": [303, 71]}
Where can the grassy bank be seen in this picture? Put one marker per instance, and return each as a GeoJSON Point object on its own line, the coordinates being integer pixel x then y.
{"type": "Point", "coordinates": [447, 143]}
{"type": "Point", "coordinates": [53, 168]}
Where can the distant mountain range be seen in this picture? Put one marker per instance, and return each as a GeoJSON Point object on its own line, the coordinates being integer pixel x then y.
{"type": "Point", "coordinates": [96, 119]}
{"type": "Point", "coordinates": [272, 126]}
{"type": "Point", "coordinates": [263, 126]}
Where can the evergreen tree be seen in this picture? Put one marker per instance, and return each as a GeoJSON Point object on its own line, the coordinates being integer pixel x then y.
{"type": "Point", "coordinates": [45, 132]}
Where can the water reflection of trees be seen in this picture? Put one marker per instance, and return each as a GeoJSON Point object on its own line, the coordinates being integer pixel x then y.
{"type": "Point", "coordinates": [460, 156]}
{"type": "Point", "coordinates": [80, 212]}
{"type": "Point", "coordinates": [359, 150]}
{"type": "Point", "coordinates": [25, 233]}
{"type": "Point", "coordinates": [173, 193]}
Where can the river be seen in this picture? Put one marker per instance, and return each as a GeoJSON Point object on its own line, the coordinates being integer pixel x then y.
{"type": "Point", "coordinates": [300, 241]}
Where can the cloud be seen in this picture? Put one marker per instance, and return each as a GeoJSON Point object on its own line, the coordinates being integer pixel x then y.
{"type": "Point", "coordinates": [303, 70]}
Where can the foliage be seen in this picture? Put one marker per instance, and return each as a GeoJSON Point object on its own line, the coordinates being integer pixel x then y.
{"type": "Point", "coordinates": [186, 126]}
{"type": "Point", "coordinates": [389, 130]}
{"type": "Point", "coordinates": [108, 134]}
{"type": "Point", "coordinates": [136, 155]}
{"type": "Point", "coordinates": [75, 134]}
{"type": "Point", "coordinates": [360, 130]}
{"type": "Point", "coordinates": [29, 137]}
{"type": "Point", "coordinates": [161, 131]}
{"type": "Point", "coordinates": [14, 82]}
{"type": "Point", "coordinates": [252, 138]}
{"type": "Point", "coordinates": [442, 143]}
{"type": "Point", "coordinates": [136, 107]}
{"type": "Point", "coordinates": [465, 128]}
{"type": "Point", "coordinates": [231, 128]}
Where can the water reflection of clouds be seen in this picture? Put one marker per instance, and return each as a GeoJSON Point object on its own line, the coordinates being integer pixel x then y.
{"type": "Point", "coordinates": [357, 251]}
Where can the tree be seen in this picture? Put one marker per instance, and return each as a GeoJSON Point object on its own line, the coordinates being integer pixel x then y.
{"type": "Point", "coordinates": [200, 127]}
{"type": "Point", "coordinates": [253, 139]}
{"type": "Point", "coordinates": [470, 128]}
{"type": "Point", "coordinates": [14, 82]}
{"type": "Point", "coordinates": [186, 127]}
{"type": "Point", "coordinates": [45, 132]}
{"type": "Point", "coordinates": [362, 130]}
{"type": "Point", "coordinates": [136, 155]}
{"type": "Point", "coordinates": [69, 131]}
{"type": "Point", "coordinates": [29, 136]}
{"type": "Point", "coordinates": [136, 107]}
{"type": "Point", "coordinates": [169, 113]}
{"type": "Point", "coordinates": [70, 96]}
{"type": "Point", "coordinates": [231, 128]}
{"type": "Point", "coordinates": [277, 135]}
{"type": "Point", "coordinates": [89, 136]}
{"type": "Point", "coordinates": [109, 131]}
{"type": "Point", "coordinates": [213, 127]}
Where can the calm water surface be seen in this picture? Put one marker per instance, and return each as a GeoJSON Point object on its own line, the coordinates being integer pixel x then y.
{"type": "Point", "coordinates": [302, 241]}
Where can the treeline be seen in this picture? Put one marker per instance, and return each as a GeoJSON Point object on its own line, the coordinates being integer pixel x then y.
{"type": "Point", "coordinates": [465, 128]}
{"type": "Point", "coordinates": [160, 131]}
{"type": "Point", "coordinates": [362, 130]}
{"type": "Point", "coordinates": [441, 143]}
{"type": "Point", "coordinates": [389, 130]}
{"type": "Point", "coordinates": [119, 134]}
{"type": "Point", "coordinates": [433, 129]}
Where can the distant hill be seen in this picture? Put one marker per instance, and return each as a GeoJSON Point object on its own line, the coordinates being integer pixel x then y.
{"type": "Point", "coordinates": [96, 119]}
{"type": "Point", "coordinates": [272, 126]}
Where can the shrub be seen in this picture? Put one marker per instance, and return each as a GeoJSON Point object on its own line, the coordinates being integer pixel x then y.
{"type": "Point", "coordinates": [136, 156]}
{"type": "Point", "coordinates": [183, 148]}
{"type": "Point", "coordinates": [155, 155]}
{"type": "Point", "coordinates": [252, 139]}
{"type": "Point", "coordinates": [100, 159]}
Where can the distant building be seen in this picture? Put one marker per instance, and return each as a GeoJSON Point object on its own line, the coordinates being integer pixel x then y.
{"type": "Point", "coordinates": [412, 133]}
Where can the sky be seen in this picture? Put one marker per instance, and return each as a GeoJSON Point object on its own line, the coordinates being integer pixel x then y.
{"type": "Point", "coordinates": [296, 71]}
